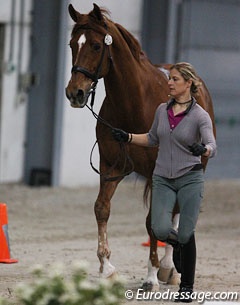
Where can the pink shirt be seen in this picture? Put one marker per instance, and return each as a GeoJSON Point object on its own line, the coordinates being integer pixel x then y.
{"type": "Point", "coordinates": [174, 120]}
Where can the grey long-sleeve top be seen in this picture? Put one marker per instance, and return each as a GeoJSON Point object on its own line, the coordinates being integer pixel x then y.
{"type": "Point", "coordinates": [174, 158]}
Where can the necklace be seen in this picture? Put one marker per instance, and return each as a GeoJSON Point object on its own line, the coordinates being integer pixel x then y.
{"type": "Point", "coordinates": [184, 103]}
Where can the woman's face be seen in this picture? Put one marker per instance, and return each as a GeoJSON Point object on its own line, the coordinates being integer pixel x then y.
{"type": "Point", "coordinates": [178, 86]}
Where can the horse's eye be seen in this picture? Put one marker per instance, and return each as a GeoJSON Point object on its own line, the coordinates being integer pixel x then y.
{"type": "Point", "coordinates": [96, 46]}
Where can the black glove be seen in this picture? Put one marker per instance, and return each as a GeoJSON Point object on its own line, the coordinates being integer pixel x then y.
{"type": "Point", "coordinates": [120, 135]}
{"type": "Point", "coordinates": [197, 149]}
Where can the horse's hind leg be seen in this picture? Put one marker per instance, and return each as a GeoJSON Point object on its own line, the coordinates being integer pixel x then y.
{"type": "Point", "coordinates": [102, 212]}
{"type": "Point", "coordinates": [151, 282]}
{"type": "Point", "coordinates": [165, 270]}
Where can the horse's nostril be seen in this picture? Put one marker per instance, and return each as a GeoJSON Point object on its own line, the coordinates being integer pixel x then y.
{"type": "Point", "coordinates": [80, 93]}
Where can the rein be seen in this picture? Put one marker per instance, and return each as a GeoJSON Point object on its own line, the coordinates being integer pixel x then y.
{"type": "Point", "coordinates": [122, 149]}
{"type": "Point", "coordinates": [94, 77]}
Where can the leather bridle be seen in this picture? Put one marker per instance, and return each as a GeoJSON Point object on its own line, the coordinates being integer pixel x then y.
{"type": "Point", "coordinates": [94, 77]}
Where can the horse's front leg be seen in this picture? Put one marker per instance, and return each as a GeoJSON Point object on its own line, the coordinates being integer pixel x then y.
{"type": "Point", "coordinates": [102, 211]}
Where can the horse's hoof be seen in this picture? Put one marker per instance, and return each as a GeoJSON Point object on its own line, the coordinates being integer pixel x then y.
{"type": "Point", "coordinates": [174, 278]}
{"type": "Point", "coordinates": [108, 270]}
{"type": "Point", "coordinates": [149, 286]}
{"type": "Point", "coordinates": [113, 276]}
{"type": "Point", "coordinates": [164, 274]}
{"type": "Point", "coordinates": [108, 275]}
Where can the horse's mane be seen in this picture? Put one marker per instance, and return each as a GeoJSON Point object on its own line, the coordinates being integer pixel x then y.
{"type": "Point", "coordinates": [132, 42]}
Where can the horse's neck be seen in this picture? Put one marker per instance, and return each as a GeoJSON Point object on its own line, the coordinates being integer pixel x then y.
{"type": "Point", "coordinates": [126, 79]}
{"type": "Point", "coordinates": [123, 92]}
{"type": "Point", "coordinates": [127, 96]}
{"type": "Point", "coordinates": [134, 81]}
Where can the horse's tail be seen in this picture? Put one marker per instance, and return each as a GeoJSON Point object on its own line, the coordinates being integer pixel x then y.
{"type": "Point", "coordinates": [147, 194]}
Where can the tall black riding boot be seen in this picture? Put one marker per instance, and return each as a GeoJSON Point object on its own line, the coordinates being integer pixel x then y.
{"type": "Point", "coordinates": [188, 265]}
{"type": "Point", "coordinates": [177, 257]}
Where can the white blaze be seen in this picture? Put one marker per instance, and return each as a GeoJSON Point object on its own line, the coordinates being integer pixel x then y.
{"type": "Point", "coordinates": [81, 41]}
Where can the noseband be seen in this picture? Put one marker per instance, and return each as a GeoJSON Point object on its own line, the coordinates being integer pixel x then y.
{"type": "Point", "coordinates": [90, 75]}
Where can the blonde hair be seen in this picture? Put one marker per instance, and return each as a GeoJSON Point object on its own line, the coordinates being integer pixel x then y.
{"type": "Point", "coordinates": [188, 73]}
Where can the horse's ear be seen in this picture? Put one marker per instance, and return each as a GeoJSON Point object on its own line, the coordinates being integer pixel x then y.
{"type": "Point", "coordinates": [96, 12]}
{"type": "Point", "coordinates": [75, 15]}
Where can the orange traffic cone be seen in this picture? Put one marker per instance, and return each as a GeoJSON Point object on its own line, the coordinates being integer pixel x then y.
{"type": "Point", "coordinates": [4, 240]}
{"type": "Point", "coordinates": [159, 243]}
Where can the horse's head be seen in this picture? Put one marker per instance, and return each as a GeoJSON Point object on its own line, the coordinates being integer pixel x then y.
{"type": "Point", "coordinates": [89, 43]}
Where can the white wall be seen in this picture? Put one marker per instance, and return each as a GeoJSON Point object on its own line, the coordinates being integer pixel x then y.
{"type": "Point", "coordinates": [78, 130]}
{"type": "Point", "coordinates": [13, 102]}
{"type": "Point", "coordinates": [79, 124]}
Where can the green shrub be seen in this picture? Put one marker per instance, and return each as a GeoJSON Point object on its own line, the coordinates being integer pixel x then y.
{"type": "Point", "coordinates": [56, 287]}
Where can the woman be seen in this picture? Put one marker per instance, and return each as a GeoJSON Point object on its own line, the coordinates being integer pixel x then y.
{"type": "Point", "coordinates": [183, 131]}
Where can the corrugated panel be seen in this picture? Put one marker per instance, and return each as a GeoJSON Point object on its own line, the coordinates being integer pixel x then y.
{"type": "Point", "coordinates": [209, 39]}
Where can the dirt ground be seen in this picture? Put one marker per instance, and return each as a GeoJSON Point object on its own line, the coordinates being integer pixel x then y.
{"type": "Point", "coordinates": [48, 225]}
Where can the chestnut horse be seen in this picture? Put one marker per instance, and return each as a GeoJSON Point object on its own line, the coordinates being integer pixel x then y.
{"type": "Point", "coordinates": [134, 89]}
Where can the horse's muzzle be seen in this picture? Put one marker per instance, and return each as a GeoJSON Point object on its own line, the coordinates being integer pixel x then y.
{"type": "Point", "coordinates": [78, 99]}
